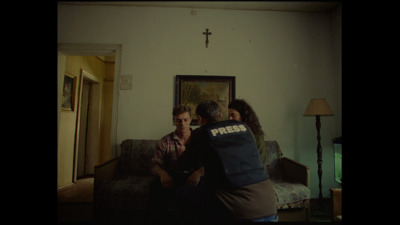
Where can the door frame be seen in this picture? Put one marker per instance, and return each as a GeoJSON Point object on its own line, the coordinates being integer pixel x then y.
{"type": "Point", "coordinates": [68, 49]}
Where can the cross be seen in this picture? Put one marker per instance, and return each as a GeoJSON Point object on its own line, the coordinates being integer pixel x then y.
{"type": "Point", "coordinates": [207, 33]}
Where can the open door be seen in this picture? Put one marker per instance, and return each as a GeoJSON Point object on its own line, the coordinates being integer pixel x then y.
{"type": "Point", "coordinates": [82, 130]}
{"type": "Point", "coordinates": [89, 125]}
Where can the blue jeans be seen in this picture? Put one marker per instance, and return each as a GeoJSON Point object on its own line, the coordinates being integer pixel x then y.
{"type": "Point", "coordinates": [273, 218]}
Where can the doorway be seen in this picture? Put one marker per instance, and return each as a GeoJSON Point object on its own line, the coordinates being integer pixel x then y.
{"type": "Point", "coordinates": [67, 122]}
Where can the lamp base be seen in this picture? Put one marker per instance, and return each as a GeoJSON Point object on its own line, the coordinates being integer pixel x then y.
{"type": "Point", "coordinates": [319, 216]}
{"type": "Point", "coordinates": [321, 211]}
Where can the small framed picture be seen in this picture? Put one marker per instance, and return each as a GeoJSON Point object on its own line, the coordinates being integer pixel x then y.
{"type": "Point", "coordinates": [68, 96]}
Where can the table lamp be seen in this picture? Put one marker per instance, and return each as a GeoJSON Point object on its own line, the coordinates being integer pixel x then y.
{"type": "Point", "coordinates": [318, 107]}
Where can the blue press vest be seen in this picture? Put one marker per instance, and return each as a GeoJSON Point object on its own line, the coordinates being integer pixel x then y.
{"type": "Point", "coordinates": [236, 147]}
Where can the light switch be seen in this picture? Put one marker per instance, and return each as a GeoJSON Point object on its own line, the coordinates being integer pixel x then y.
{"type": "Point", "coordinates": [126, 82]}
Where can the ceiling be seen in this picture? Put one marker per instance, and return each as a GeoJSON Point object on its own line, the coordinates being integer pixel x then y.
{"type": "Point", "coordinates": [295, 6]}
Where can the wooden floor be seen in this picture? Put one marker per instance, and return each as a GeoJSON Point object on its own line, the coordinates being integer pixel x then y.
{"type": "Point", "coordinates": [75, 205]}
{"type": "Point", "coordinates": [323, 214]}
{"type": "Point", "coordinates": [81, 191]}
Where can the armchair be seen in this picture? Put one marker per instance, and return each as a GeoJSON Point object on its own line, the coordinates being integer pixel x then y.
{"type": "Point", "coordinates": [291, 182]}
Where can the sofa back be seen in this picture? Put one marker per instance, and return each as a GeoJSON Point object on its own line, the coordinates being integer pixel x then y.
{"type": "Point", "coordinates": [274, 154]}
{"type": "Point", "coordinates": [137, 153]}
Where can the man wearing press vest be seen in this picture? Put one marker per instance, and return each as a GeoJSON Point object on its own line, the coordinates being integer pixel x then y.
{"type": "Point", "coordinates": [237, 185]}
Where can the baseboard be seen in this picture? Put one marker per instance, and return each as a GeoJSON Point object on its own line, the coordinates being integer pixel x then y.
{"type": "Point", "coordinates": [64, 187]}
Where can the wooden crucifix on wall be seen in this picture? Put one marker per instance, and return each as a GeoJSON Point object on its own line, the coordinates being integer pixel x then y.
{"type": "Point", "coordinates": [207, 33]}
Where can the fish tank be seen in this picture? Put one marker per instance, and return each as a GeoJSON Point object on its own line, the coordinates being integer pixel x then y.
{"type": "Point", "coordinates": [337, 146]}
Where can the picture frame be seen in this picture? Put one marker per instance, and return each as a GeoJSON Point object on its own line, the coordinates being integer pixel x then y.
{"type": "Point", "coordinates": [68, 96]}
{"type": "Point", "coordinates": [193, 89]}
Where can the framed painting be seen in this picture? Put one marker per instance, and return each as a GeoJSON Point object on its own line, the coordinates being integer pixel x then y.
{"type": "Point", "coordinates": [193, 89]}
{"type": "Point", "coordinates": [68, 96]}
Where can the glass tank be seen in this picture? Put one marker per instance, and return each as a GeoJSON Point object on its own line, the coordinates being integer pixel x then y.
{"type": "Point", "coordinates": [337, 146]}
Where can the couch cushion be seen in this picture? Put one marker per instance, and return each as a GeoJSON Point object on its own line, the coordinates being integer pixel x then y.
{"type": "Point", "coordinates": [125, 192]}
{"type": "Point", "coordinates": [290, 195]}
{"type": "Point", "coordinates": [136, 156]}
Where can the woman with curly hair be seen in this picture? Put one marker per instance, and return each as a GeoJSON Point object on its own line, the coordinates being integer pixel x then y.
{"type": "Point", "coordinates": [241, 111]}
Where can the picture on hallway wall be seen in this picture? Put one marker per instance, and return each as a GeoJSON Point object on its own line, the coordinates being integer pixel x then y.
{"type": "Point", "coordinates": [190, 90]}
{"type": "Point", "coordinates": [68, 96]}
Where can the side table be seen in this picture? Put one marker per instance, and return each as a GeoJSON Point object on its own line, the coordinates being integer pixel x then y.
{"type": "Point", "coordinates": [336, 194]}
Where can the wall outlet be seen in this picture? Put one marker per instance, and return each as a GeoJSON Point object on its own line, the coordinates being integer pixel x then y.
{"type": "Point", "coordinates": [126, 82]}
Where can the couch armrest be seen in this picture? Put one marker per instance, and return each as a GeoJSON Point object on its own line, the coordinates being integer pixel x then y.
{"type": "Point", "coordinates": [105, 171]}
{"type": "Point", "coordinates": [295, 172]}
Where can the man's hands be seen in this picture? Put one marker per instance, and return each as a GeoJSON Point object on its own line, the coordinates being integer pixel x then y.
{"type": "Point", "coordinates": [194, 178]}
{"type": "Point", "coordinates": [166, 180]}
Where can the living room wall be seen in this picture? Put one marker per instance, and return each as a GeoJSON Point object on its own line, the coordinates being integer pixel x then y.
{"type": "Point", "coordinates": [280, 60]}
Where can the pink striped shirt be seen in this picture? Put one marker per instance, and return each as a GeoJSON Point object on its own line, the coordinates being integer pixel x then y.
{"type": "Point", "coordinates": [166, 153]}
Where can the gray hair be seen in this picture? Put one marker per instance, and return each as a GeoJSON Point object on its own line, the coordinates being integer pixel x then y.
{"type": "Point", "coordinates": [209, 110]}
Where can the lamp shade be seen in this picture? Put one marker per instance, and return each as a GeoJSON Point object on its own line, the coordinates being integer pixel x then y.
{"type": "Point", "coordinates": [318, 107]}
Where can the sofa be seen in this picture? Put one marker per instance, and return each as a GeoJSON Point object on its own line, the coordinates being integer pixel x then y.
{"type": "Point", "coordinates": [121, 185]}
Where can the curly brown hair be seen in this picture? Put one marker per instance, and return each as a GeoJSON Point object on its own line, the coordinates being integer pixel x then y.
{"type": "Point", "coordinates": [248, 115]}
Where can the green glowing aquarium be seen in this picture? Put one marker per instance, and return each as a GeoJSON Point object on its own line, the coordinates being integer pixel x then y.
{"type": "Point", "coordinates": [337, 146]}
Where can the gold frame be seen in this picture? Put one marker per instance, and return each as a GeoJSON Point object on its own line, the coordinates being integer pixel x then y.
{"type": "Point", "coordinates": [190, 90]}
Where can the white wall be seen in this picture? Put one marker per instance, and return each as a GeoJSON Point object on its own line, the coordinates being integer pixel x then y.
{"type": "Point", "coordinates": [280, 59]}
